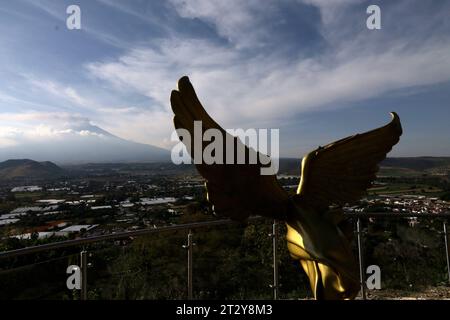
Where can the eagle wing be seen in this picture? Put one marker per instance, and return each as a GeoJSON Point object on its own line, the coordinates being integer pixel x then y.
{"type": "Point", "coordinates": [235, 190]}
{"type": "Point", "coordinates": [341, 172]}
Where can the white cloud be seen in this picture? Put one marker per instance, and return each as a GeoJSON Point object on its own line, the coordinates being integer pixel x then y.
{"type": "Point", "coordinates": [238, 89]}
{"type": "Point", "coordinates": [7, 136]}
{"type": "Point", "coordinates": [18, 128]}
{"type": "Point", "coordinates": [241, 85]}
{"type": "Point", "coordinates": [57, 11]}
{"type": "Point", "coordinates": [146, 126]}
{"type": "Point", "coordinates": [61, 119]}
{"type": "Point", "coordinates": [133, 124]}
{"type": "Point", "coordinates": [331, 10]}
{"type": "Point", "coordinates": [240, 22]}
{"type": "Point", "coordinates": [64, 93]}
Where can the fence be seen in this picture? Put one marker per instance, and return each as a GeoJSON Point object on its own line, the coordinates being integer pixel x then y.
{"type": "Point", "coordinates": [191, 227]}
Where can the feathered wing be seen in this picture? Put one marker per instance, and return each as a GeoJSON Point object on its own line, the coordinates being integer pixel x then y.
{"type": "Point", "coordinates": [336, 174]}
{"type": "Point", "coordinates": [341, 172]}
{"type": "Point", "coordinates": [235, 190]}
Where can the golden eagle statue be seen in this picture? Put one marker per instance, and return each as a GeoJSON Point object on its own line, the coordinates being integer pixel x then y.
{"type": "Point", "coordinates": [331, 176]}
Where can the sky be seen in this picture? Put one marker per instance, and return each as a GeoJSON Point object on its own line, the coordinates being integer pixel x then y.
{"type": "Point", "coordinates": [310, 68]}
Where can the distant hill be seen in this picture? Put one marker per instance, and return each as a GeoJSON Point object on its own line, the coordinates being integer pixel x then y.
{"type": "Point", "coordinates": [417, 163]}
{"type": "Point", "coordinates": [405, 166]}
{"type": "Point", "coordinates": [29, 169]}
{"type": "Point", "coordinates": [290, 166]}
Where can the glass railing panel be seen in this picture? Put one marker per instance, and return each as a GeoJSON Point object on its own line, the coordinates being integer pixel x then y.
{"type": "Point", "coordinates": [410, 253]}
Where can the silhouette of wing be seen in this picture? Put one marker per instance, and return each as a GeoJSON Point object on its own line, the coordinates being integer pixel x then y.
{"type": "Point", "coordinates": [235, 190]}
{"type": "Point", "coordinates": [341, 172]}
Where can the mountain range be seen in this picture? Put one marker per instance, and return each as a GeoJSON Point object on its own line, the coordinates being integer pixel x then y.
{"type": "Point", "coordinates": [30, 169]}
{"type": "Point", "coordinates": [85, 143]}
{"type": "Point", "coordinates": [401, 166]}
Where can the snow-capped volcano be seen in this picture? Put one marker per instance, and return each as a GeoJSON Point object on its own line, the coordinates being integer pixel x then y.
{"type": "Point", "coordinates": [70, 143]}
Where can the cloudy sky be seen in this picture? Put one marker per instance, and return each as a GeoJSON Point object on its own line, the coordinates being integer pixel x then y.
{"type": "Point", "coordinates": [308, 67]}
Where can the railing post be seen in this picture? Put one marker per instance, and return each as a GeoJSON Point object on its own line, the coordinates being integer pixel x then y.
{"type": "Point", "coordinates": [274, 235]}
{"type": "Point", "coordinates": [446, 249]}
{"type": "Point", "coordinates": [189, 247]}
{"type": "Point", "coordinates": [84, 265]}
{"type": "Point", "coordinates": [361, 258]}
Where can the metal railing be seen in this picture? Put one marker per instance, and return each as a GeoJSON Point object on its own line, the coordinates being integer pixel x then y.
{"type": "Point", "coordinates": [190, 244]}
{"type": "Point", "coordinates": [360, 233]}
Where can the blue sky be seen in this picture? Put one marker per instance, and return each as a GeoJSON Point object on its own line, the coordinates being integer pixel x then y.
{"type": "Point", "coordinates": [308, 67]}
